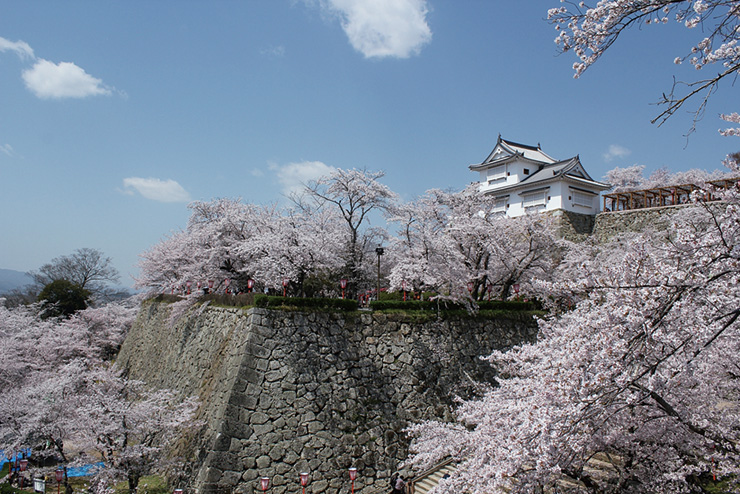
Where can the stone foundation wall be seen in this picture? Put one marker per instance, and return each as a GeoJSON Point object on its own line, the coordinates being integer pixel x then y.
{"type": "Point", "coordinates": [573, 226]}
{"type": "Point", "coordinates": [285, 392]}
{"type": "Point", "coordinates": [609, 225]}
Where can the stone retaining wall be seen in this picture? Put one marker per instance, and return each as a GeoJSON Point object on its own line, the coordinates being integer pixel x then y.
{"type": "Point", "coordinates": [285, 392]}
{"type": "Point", "coordinates": [609, 225]}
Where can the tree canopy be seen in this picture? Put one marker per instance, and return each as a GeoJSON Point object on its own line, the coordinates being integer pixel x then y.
{"type": "Point", "coordinates": [440, 243]}
{"type": "Point", "coordinates": [62, 396]}
{"type": "Point", "coordinates": [63, 298]}
{"type": "Point", "coordinates": [87, 268]}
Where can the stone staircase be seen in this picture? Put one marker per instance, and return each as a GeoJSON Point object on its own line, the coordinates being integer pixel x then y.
{"type": "Point", "coordinates": [600, 467]}
{"type": "Point", "coordinates": [428, 479]}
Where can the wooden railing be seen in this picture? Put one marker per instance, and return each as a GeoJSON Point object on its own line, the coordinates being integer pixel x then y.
{"type": "Point", "coordinates": [672, 195]}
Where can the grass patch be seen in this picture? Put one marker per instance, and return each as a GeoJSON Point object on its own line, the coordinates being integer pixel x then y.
{"type": "Point", "coordinates": [150, 484]}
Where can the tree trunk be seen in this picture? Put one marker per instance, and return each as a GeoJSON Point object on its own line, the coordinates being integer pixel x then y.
{"type": "Point", "coordinates": [133, 482]}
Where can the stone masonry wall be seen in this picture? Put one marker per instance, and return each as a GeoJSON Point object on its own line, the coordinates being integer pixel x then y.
{"type": "Point", "coordinates": [609, 225]}
{"type": "Point", "coordinates": [285, 392]}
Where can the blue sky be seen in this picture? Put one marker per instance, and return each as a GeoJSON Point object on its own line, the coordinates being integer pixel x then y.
{"type": "Point", "coordinates": [114, 115]}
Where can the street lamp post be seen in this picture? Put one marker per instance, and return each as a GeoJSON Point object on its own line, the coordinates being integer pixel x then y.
{"type": "Point", "coordinates": [265, 483]}
{"type": "Point", "coordinates": [177, 491]}
{"type": "Point", "coordinates": [352, 477]}
{"type": "Point", "coordinates": [23, 464]}
{"type": "Point", "coordinates": [59, 474]}
{"type": "Point", "coordinates": [304, 481]}
{"type": "Point", "coordinates": [343, 284]}
{"type": "Point", "coordinates": [250, 285]}
{"type": "Point", "coordinates": [403, 287]}
{"type": "Point", "coordinates": [285, 286]}
{"type": "Point", "coordinates": [227, 281]}
{"type": "Point", "coordinates": [380, 251]}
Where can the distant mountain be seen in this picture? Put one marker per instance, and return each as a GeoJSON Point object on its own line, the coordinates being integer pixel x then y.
{"type": "Point", "coordinates": [10, 280]}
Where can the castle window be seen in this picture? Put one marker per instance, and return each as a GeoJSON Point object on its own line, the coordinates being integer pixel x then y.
{"type": "Point", "coordinates": [496, 175]}
{"type": "Point", "coordinates": [526, 171]}
{"type": "Point", "coordinates": [534, 202]}
{"type": "Point", "coordinates": [582, 199]}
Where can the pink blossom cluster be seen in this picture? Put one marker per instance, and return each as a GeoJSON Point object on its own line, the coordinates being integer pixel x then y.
{"type": "Point", "coordinates": [61, 391]}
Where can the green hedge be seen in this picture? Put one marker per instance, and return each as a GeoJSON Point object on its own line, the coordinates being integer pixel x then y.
{"type": "Point", "coordinates": [510, 305]}
{"type": "Point", "coordinates": [312, 303]}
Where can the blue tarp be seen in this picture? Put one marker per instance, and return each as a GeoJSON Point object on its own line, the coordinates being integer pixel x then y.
{"type": "Point", "coordinates": [4, 456]}
{"type": "Point", "coordinates": [84, 470]}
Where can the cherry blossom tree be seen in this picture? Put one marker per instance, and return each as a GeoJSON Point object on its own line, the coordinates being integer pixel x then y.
{"type": "Point", "coordinates": [449, 239]}
{"type": "Point", "coordinates": [590, 31]}
{"type": "Point", "coordinates": [130, 426]}
{"type": "Point", "coordinates": [300, 245]}
{"type": "Point", "coordinates": [226, 238]}
{"type": "Point", "coordinates": [631, 178]}
{"type": "Point", "coordinates": [210, 248]}
{"type": "Point", "coordinates": [354, 194]}
{"type": "Point", "coordinates": [642, 372]}
{"type": "Point", "coordinates": [43, 364]}
{"type": "Point", "coordinates": [639, 367]}
{"type": "Point", "coordinates": [417, 253]}
{"type": "Point", "coordinates": [59, 388]}
{"type": "Point", "coordinates": [627, 178]}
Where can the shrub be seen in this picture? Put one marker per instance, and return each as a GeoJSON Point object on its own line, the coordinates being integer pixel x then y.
{"type": "Point", "coordinates": [63, 298]}
{"type": "Point", "coordinates": [309, 303]}
{"type": "Point", "coordinates": [231, 300]}
{"type": "Point", "coordinates": [497, 305]}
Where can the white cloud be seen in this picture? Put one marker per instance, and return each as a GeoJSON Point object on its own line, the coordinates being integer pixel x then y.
{"type": "Point", "coordinates": [7, 149]}
{"type": "Point", "coordinates": [48, 80]}
{"type": "Point", "coordinates": [156, 189]}
{"type": "Point", "coordinates": [273, 51]}
{"type": "Point", "coordinates": [293, 176]}
{"type": "Point", "coordinates": [616, 151]}
{"type": "Point", "coordinates": [20, 48]}
{"type": "Point", "coordinates": [383, 28]}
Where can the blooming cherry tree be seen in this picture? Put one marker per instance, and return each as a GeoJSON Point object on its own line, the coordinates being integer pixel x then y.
{"type": "Point", "coordinates": [642, 371]}
{"type": "Point", "coordinates": [449, 239]}
{"type": "Point", "coordinates": [354, 195]}
{"type": "Point", "coordinates": [130, 425]}
{"type": "Point", "coordinates": [590, 31]}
